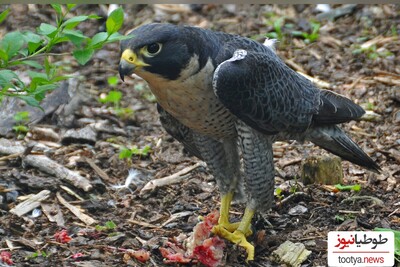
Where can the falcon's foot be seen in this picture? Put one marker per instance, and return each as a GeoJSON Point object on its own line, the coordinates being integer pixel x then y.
{"type": "Point", "coordinates": [237, 237]}
{"type": "Point", "coordinates": [223, 221]}
{"type": "Point", "coordinates": [237, 232]}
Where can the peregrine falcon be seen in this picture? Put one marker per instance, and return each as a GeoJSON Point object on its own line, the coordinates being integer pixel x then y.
{"type": "Point", "coordinates": [227, 98]}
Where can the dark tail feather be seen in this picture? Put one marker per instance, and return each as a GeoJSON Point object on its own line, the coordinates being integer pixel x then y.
{"type": "Point", "coordinates": [333, 139]}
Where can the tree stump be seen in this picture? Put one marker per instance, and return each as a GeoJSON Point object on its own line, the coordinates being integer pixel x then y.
{"type": "Point", "coordinates": [323, 170]}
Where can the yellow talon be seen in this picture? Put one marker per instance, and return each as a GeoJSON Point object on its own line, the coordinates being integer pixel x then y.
{"type": "Point", "coordinates": [237, 237]}
{"type": "Point", "coordinates": [235, 232]}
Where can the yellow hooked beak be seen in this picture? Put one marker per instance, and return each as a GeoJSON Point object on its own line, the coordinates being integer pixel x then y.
{"type": "Point", "coordinates": [129, 62]}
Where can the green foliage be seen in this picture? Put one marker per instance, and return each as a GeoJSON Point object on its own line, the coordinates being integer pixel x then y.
{"type": "Point", "coordinates": [342, 218]}
{"type": "Point", "coordinates": [108, 226]}
{"type": "Point", "coordinates": [112, 81]}
{"type": "Point", "coordinates": [283, 30]}
{"type": "Point", "coordinates": [26, 49]}
{"type": "Point", "coordinates": [396, 241]}
{"type": "Point", "coordinates": [278, 193]}
{"type": "Point", "coordinates": [309, 37]}
{"type": "Point", "coordinates": [355, 187]}
{"type": "Point", "coordinates": [114, 97]}
{"type": "Point", "coordinates": [127, 153]}
{"type": "Point", "coordinates": [37, 254]}
{"type": "Point", "coordinates": [368, 106]}
{"type": "Point", "coordinates": [21, 118]}
{"type": "Point", "coordinates": [371, 51]}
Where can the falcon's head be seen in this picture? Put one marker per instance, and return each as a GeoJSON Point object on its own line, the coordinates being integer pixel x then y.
{"type": "Point", "coordinates": [161, 50]}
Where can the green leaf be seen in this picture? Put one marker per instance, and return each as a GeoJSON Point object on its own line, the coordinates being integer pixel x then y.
{"type": "Point", "coordinates": [3, 57]}
{"type": "Point", "coordinates": [30, 100]}
{"type": "Point", "coordinates": [94, 16]}
{"type": "Point", "coordinates": [70, 6]}
{"type": "Point", "coordinates": [98, 38]}
{"type": "Point", "coordinates": [112, 80]}
{"type": "Point", "coordinates": [114, 21]}
{"type": "Point", "coordinates": [118, 37]}
{"type": "Point", "coordinates": [3, 15]}
{"type": "Point", "coordinates": [21, 116]}
{"type": "Point", "coordinates": [32, 63]}
{"type": "Point", "coordinates": [34, 41]}
{"type": "Point", "coordinates": [76, 37]}
{"type": "Point", "coordinates": [6, 76]}
{"type": "Point", "coordinates": [110, 225]}
{"type": "Point", "coordinates": [125, 153]}
{"type": "Point", "coordinates": [83, 55]}
{"type": "Point", "coordinates": [57, 8]}
{"type": "Point", "coordinates": [113, 97]}
{"type": "Point", "coordinates": [47, 29]}
{"type": "Point", "coordinates": [20, 129]}
{"type": "Point", "coordinates": [12, 42]}
{"type": "Point", "coordinates": [40, 91]}
{"type": "Point", "coordinates": [36, 75]}
{"type": "Point", "coordinates": [73, 22]}
{"type": "Point", "coordinates": [355, 187]}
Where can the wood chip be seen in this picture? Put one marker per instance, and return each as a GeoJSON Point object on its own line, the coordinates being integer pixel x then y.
{"type": "Point", "coordinates": [379, 40]}
{"type": "Point", "coordinates": [72, 193]}
{"type": "Point", "coordinates": [291, 253]}
{"type": "Point", "coordinates": [53, 213]}
{"type": "Point", "coordinates": [144, 224]}
{"type": "Point", "coordinates": [32, 202]}
{"type": "Point", "coordinates": [171, 179]}
{"type": "Point", "coordinates": [317, 81]}
{"type": "Point", "coordinates": [387, 80]}
{"type": "Point", "coordinates": [76, 211]}
{"type": "Point", "coordinates": [98, 170]}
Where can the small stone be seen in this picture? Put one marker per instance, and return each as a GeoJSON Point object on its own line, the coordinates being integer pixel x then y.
{"type": "Point", "coordinates": [297, 210]}
{"type": "Point", "coordinates": [85, 135]}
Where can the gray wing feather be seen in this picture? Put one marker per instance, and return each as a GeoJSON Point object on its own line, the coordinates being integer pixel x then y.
{"type": "Point", "coordinates": [266, 94]}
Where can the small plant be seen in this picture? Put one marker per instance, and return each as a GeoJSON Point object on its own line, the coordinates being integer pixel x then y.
{"type": "Point", "coordinates": [371, 51]}
{"type": "Point", "coordinates": [108, 226]}
{"type": "Point", "coordinates": [21, 118]}
{"type": "Point", "coordinates": [342, 218]}
{"type": "Point", "coordinates": [33, 50]}
{"type": "Point", "coordinates": [278, 193]}
{"type": "Point", "coordinates": [283, 30]}
{"type": "Point", "coordinates": [277, 33]}
{"type": "Point", "coordinates": [37, 254]}
{"type": "Point", "coordinates": [127, 153]}
{"type": "Point", "coordinates": [114, 97]}
{"type": "Point", "coordinates": [355, 187]}
{"type": "Point", "coordinates": [309, 37]}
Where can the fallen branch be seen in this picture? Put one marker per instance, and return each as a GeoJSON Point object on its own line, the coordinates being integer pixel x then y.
{"type": "Point", "coordinates": [171, 179]}
{"type": "Point", "coordinates": [45, 164]}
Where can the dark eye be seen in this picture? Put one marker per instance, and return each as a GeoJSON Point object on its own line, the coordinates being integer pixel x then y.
{"type": "Point", "coordinates": [154, 48]}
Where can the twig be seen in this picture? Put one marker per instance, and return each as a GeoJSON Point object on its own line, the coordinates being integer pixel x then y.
{"type": "Point", "coordinates": [81, 216]}
{"type": "Point", "coordinates": [171, 179]}
{"type": "Point", "coordinates": [144, 224]}
{"type": "Point", "coordinates": [97, 169]}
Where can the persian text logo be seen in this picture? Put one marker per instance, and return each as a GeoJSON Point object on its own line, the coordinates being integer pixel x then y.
{"type": "Point", "coordinates": [360, 248]}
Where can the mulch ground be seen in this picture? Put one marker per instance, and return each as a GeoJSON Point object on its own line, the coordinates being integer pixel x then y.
{"type": "Point", "coordinates": [356, 54]}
